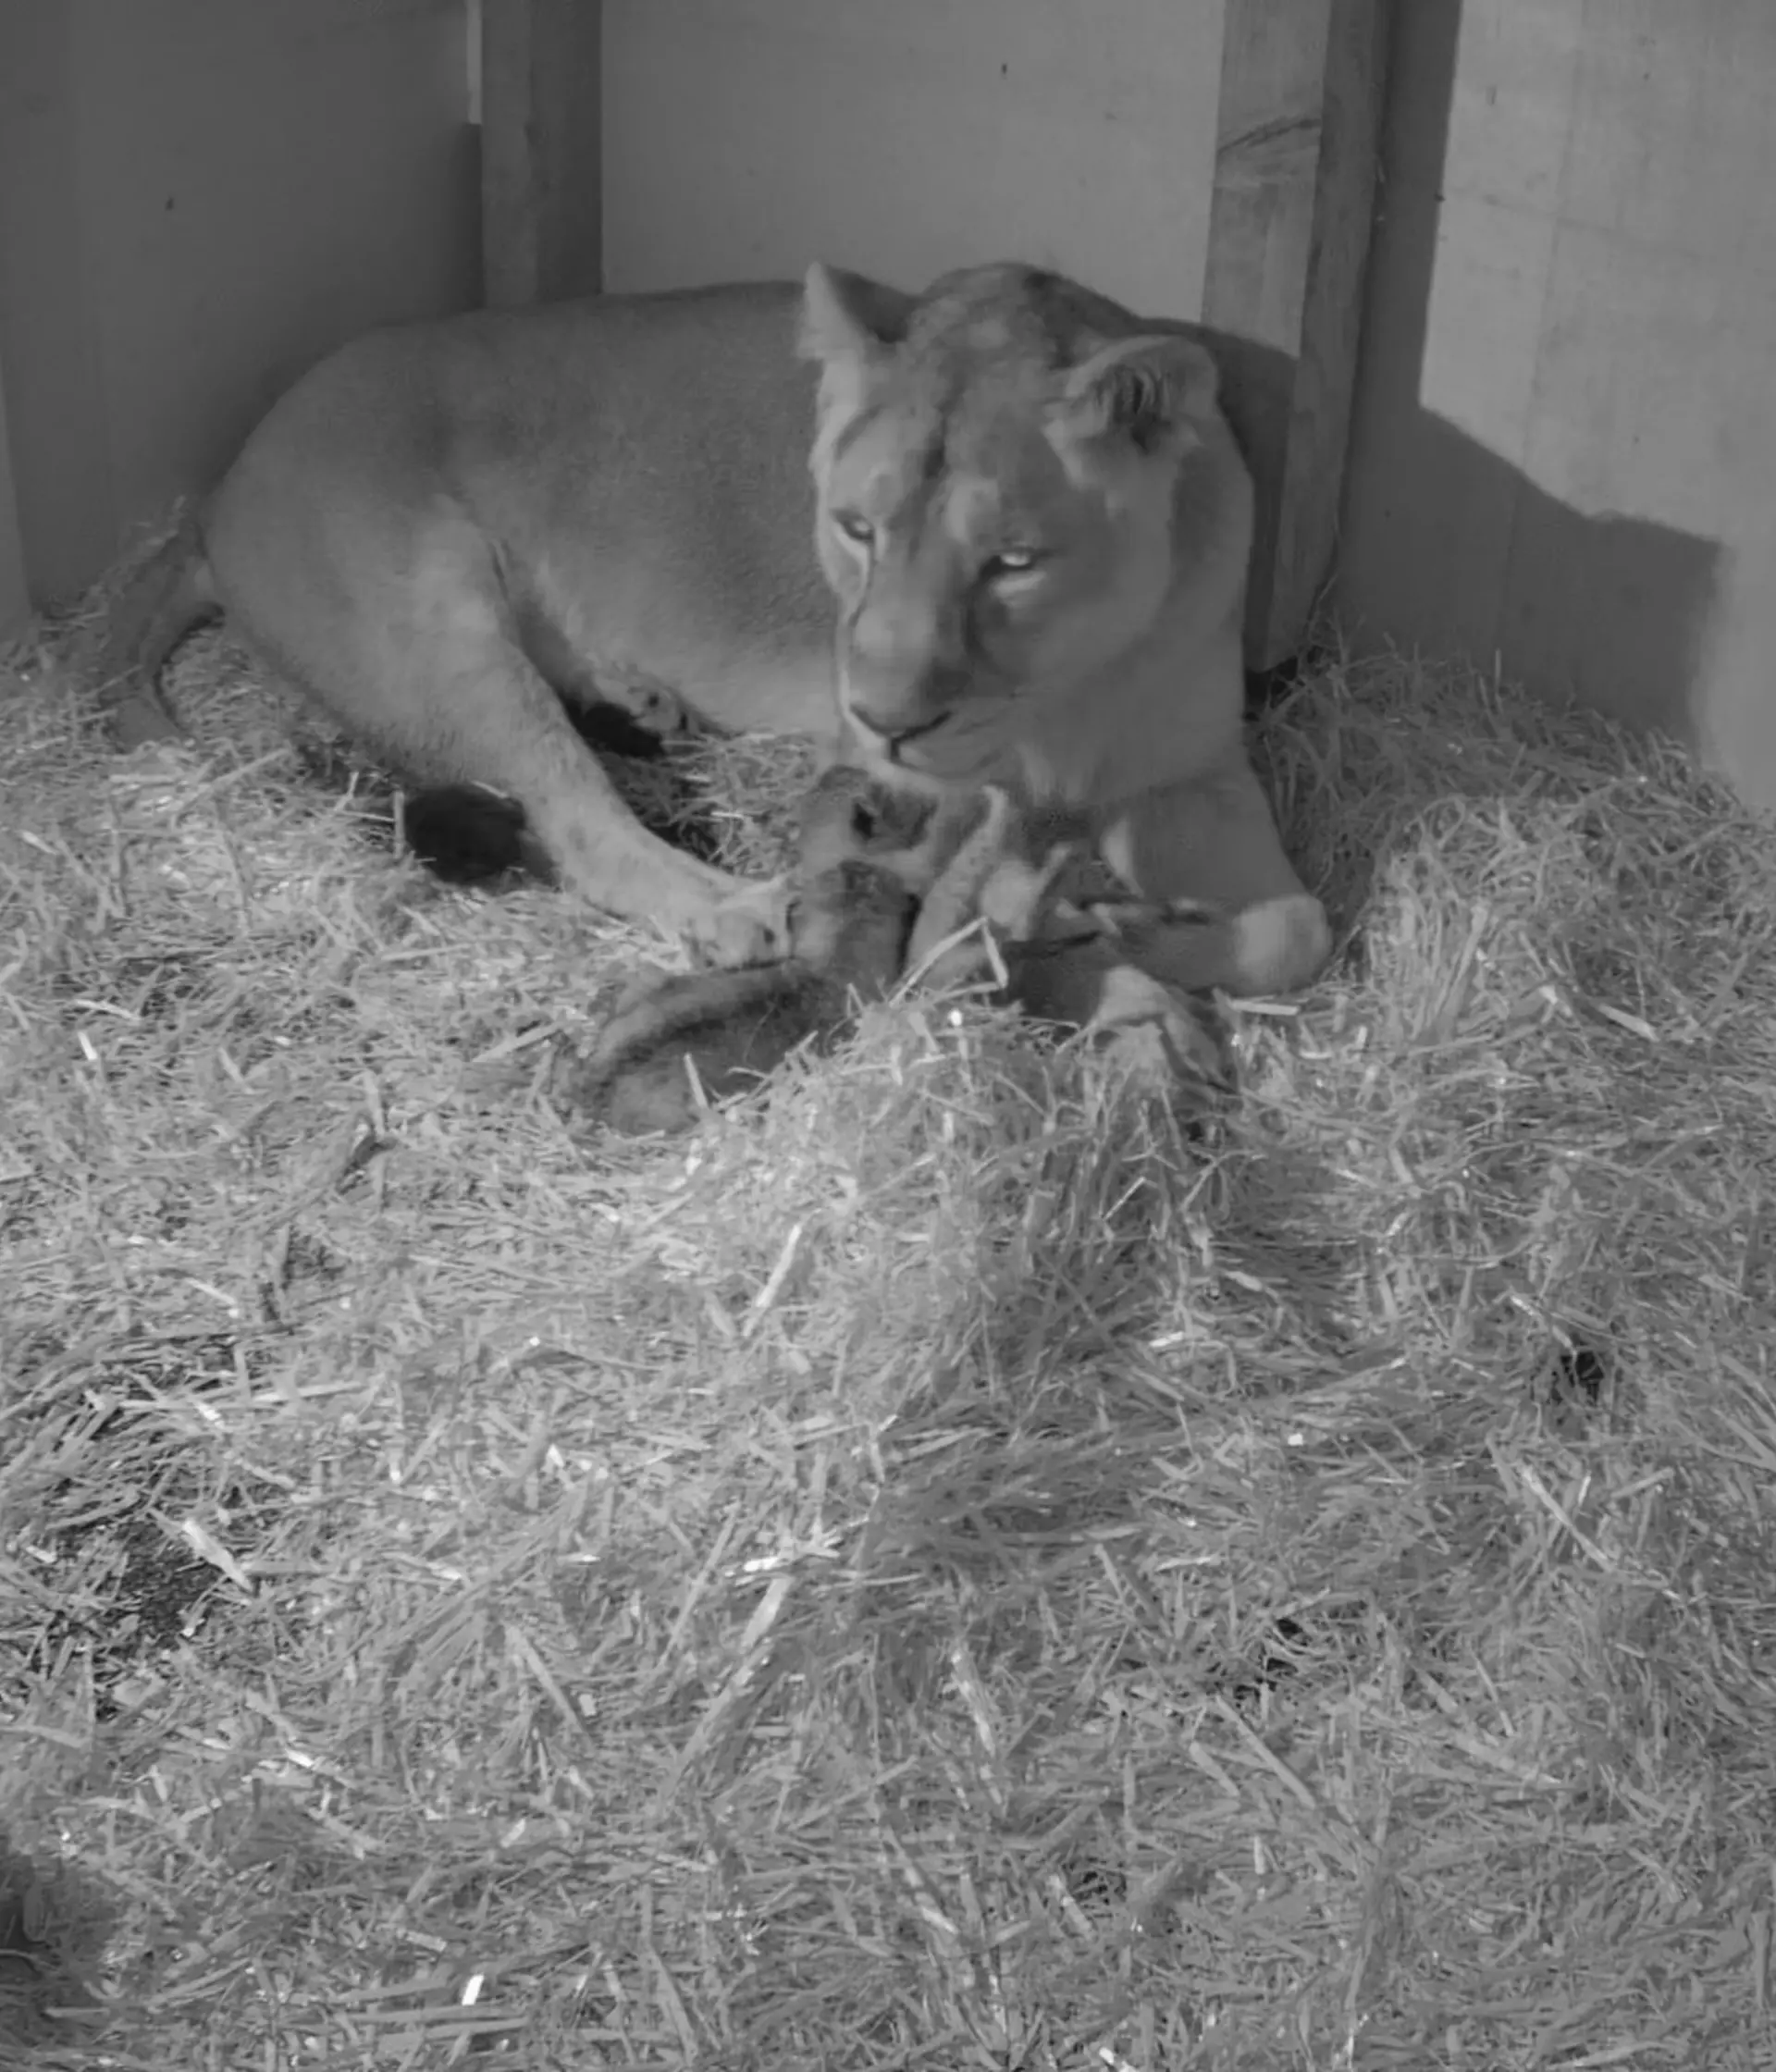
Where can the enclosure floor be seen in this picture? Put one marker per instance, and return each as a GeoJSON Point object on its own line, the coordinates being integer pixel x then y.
{"type": "Point", "coordinates": [945, 1569]}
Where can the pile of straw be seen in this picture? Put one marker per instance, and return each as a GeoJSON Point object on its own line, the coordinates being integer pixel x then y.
{"type": "Point", "coordinates": [945, 1569]}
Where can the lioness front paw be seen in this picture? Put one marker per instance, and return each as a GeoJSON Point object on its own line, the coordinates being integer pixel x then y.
{"type": "Point", "coordinates": [1272, 946]}
{"type": "Point", "coordinates": [1279, 945]}
{"type": "Point", "coordinates": [751, 926]}
{"type": "Point", "coordinates": [1164, 1041]}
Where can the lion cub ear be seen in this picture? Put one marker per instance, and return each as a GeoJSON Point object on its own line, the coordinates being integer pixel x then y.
{"type": "Point", "coordinates": [1153, 392]}
{"type": "Point", "coordinates": [848, 316]}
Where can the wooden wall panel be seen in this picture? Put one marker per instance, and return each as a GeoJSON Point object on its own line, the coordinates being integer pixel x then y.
{"type": "Point", "coordinates": [1214, 160]}
{"type": "Point", "coordinates": [1299, 133]}
{"type": "Point", "coordinates": [198, 198]}
{"type": "Point", "coordinates": [1564, 439]}
{"type": "Point", "coordinates": [744, 137]}
{"type": "Point", "coordinates": [542, 169]}
{"type": "Point", "coordinates": [14, 594]}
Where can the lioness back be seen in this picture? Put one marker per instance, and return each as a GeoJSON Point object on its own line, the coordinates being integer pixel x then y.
{"type": "Point", "coordinates": [637, 467]}
{"type": "Point", "coordinates": [995, 532]}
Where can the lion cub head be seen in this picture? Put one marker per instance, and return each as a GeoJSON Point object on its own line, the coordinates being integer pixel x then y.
{"type": "Point", "coordinates": [1002, 466]}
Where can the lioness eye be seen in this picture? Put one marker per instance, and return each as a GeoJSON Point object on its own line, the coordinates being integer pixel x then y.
{"type": "Point", "coordinates": [1011, 561]}
{"type": "Point", "coordinates": [855, 527]}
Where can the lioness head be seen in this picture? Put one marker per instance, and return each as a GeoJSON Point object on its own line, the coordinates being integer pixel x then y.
{"type": "Point", "coordinates": [998, 462]}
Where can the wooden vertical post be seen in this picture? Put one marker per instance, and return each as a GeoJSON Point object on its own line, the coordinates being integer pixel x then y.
{"type": "Point", "coordinates": [541, 149]}
{"type": "Point", "coordinates": [1302, 85]}
{"type": "Point", "coordinates": [14, 594]}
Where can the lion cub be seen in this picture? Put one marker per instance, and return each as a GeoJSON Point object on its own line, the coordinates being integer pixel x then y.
{"type": "Point", "coordinates": [866, 855]}
{"type": "Point", "coordinates": [887, 884]}
{"type": "Point", "coordinates": [1115, 965]}
{"type": "Point", "coordinates": [847, 932]}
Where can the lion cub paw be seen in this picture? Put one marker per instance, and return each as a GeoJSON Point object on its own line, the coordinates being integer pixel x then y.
{"type": "Point", "coordinates": [747, 925]}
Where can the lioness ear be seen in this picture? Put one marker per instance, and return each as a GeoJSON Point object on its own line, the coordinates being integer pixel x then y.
{"type": "Point", "coordinates": [848, 316]}
{"type": "Point", "coordinates": [1152, 390]}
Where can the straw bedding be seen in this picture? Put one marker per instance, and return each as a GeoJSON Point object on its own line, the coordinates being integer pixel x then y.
{"type": "Point", "coordinates": [950, 1567]}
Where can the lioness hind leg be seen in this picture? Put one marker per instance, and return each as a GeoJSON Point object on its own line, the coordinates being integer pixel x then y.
{"type": "Point", "coordinates": [459, 700]}
{"type": "Point", "coordinates": [391, 610]}
{"type": "Point", "coordinates": [520, 739]}
{"type": "Point", "coordinates": [1215, 840]}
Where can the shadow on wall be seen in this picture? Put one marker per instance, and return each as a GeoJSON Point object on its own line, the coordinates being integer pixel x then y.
{"type": "Point", "coordinates": [1451, 549]}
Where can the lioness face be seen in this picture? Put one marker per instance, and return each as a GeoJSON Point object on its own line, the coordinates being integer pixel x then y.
{"type": "Point", "coordinates": [996, 479]}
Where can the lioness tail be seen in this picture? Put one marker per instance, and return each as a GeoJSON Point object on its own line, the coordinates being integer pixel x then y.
{"type": "Point", "coordinates": [120, 654]}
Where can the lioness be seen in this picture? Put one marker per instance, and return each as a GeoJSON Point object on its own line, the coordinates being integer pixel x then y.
{"type": "Point", "coordinates": [1029, 508]}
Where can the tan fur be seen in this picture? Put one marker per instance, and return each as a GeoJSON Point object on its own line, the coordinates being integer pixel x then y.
{"type": "Point", "coordinates": [871, 856]}
{"type": "Point", "coordinates": [852, 813]}
{"type": "Point", "coordinates": [445, 529]}
{"type": "Point", "coordinates": [992, 889]}
{"type": "Point", "coordinates": [732, 1029]}
{"type": "Point", "coordinates": [1103, 682]}
{"type": "Point", "coordinates": [1096, 967]}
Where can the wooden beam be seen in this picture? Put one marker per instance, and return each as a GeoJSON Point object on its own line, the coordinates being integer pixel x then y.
{"type": "Point", "coordinates": [1289, 241]}
{"type": "Point", "coordinates": [15, 592]}
{"type": "Point", "coordinates": [541, 149]}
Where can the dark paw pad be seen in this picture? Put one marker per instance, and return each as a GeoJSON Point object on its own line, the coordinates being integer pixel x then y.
{"type": "Point", "coordinates": [465, 833]}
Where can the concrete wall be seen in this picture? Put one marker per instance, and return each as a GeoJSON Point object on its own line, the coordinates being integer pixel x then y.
{"type": "Point", "coordinates": [1565, 440]}
{"type": "Point", "coordinates": [744, 137]}
{"type": "Point", "coordinates": [198, 198]}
